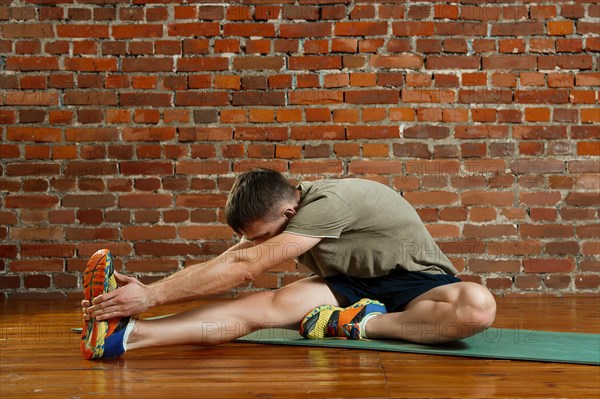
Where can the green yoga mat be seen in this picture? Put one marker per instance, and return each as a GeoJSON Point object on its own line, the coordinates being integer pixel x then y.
{"type": "Point", "coordinates": [494, 343]}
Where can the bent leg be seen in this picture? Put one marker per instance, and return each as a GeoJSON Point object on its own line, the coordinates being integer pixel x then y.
{"type": "Point", "coordinates": [225, 321]}
{"type": "Point", "coordinates": [445, 313]}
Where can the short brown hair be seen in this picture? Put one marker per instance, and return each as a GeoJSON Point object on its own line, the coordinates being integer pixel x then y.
{"type": "Point", "coordinates": [254, 196]}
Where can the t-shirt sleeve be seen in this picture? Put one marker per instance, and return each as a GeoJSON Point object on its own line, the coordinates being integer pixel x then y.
{"type": "Point", "coordinates": [326, 217]}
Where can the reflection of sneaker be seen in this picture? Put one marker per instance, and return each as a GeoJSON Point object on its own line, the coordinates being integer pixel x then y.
{"type": "Point", "coordinates": [332, 321]}
{"type": "Point", "coordinates": [101, 339]}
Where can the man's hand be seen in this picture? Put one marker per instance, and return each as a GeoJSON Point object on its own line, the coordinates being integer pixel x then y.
{"type": "Point", "coordinates": [132, 298]}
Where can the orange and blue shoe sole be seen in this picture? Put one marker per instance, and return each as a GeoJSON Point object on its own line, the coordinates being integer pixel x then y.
{"type": "Point", "coordinates": [101, 339]}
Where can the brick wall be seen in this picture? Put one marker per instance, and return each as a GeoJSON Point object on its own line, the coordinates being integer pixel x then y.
{"type": "Point", "coordinates": [123, 125]}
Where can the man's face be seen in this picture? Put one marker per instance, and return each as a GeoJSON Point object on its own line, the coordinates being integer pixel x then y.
{"type": "Point", "coordinates": [260, 231]}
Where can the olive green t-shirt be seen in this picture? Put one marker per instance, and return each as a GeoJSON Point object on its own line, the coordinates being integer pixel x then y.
{"type": "Point", "coordinates": [367, 230]}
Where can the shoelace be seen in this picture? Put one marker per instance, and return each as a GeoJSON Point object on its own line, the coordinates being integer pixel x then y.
{"type": "Point", "coordinates": [352, 331]}
{"type": "Point", "coordinates": [332, 330]}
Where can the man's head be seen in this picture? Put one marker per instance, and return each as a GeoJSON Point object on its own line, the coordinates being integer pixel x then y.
{"type": "Point", "coordinates": [261, 202]}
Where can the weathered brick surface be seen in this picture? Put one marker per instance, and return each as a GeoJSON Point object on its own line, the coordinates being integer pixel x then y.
{"type": "Point", "coordinates": [123, 124]}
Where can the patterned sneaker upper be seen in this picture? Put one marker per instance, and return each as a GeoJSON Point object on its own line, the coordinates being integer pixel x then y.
{"type": "Point", "coordinates": [101, 339]}
{"type": "Point", "coordinates": [331, 321]}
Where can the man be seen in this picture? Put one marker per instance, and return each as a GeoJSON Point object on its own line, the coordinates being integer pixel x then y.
{"type": "Point", "coordinates": [366, 245]}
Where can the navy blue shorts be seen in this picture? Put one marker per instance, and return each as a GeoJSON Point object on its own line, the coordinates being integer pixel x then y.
{"type": "Point", "coordinates": [394, 290]}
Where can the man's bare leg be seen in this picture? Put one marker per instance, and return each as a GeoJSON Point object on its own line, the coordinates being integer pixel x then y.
{"type": "Point", "coordinates": [225, 321]}
{"type": "Point", "coordinates": [446, 313]}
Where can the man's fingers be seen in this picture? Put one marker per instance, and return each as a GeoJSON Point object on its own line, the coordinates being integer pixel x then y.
{"type": "Point", "coordinates": [106, 313]}
{"type": "Point", "coordinates": [104, 297]}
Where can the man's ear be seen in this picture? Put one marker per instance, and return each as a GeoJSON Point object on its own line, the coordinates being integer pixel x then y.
{"type": "Point", "coordinates": [289, 213]}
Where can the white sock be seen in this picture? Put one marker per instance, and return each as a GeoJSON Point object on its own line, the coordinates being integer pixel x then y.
{"type": "Point", "coordinates": [128, 331]}
{"type": "Point", "coordinates": [363, 324]}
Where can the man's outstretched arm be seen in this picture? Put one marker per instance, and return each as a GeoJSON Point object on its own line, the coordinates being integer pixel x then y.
{"type": "Point", "coordinates": [236, 266]}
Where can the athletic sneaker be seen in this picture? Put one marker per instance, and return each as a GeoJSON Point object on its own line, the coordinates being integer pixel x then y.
{"type": "Point", "coordinates": [332, 321]}
{"type": "Point", "coordinates": [101, 339]}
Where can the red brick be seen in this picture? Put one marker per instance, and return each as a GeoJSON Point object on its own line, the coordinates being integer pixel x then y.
{"type": "Point", "coordinates": [151, 116]}
{"type": "Point", "coordinates": [551, 62]}
{"type": "Point", "coordinates": [400, 61]}
{"type": "Point", "coordinates": [261, 151]}
{"type": "Point", "coordinates": [546, 230]}
{"type": "Point", "coordinates": [140, 233]}
{"type": "Point", "coordinates": [91, 134]}
{"type": "Point", "coordinates": [371, 96]}
{"type": "Point", "coordinates": [258, 63]}
{"type": "Point", "coordinates": [36, 233]}
{"type": "Point", "coordinates": [413, 28]}
{"type": "Point", "coordinates": [372, 132]}
{"type": "Point", "coordinates": [431, 198]}
{"type": "Point", "coordinates": [449, 214]}
{"type": "Point", "coordinates": [88, 201]}
{"type": "Point", "coordinates": [31, 201]}
{"type": "Point", "coordinates": [375, 167]}
{"type": "Point", "coordinates": [510, 62]}
{"type": "Point", "coordinates": [346, 149]}
{"type": "Point", "coordinates": [38, 265]}
{"type": "Point", "coordinates": [9, 282]}
{"type": "Point", "coordinates": [194, 29]}
{"type": "Point", "coordinates": [149, 134]}
{"type": "Point", "coordinates": [589, 248]}
{"type": "Point", "coordinates": [147, 65]}
{"type": "Point", "coordinates": [560, 28]}
{"type": "Point", "coordinates": [37, 134]}
{"type": "Point", "coordinates": [462, 247]}
{"type": "Point", "coordinates": [288, 151]}
{"type": "Point", "coordinates": [428, 96]}
{"type": "Point", "coordinates": [317, 132]}
{"type": "Point", "coordinates": [318, 114]}
{"type": "Point", "coordinates": [202, 64]}
{"type": "Point", "coordinates": [249, 29]}
{"type": "Point", "coordinates": [496, 230]}
{"type": "Point", "coordinates": [145, 200]}
{"type": "Point", "coordinates": [548, 265]}
{"type": "Point", "coordinates": [317, 151]}
{"type": "Point", "coordinates": [515, 248]}
{"type": "Point", "coordinates": [252, 98]}
{"type": "Point", "coordinates": [497, 198]}
{"type": "Point", "coordinates": [82, 31]}
{"type": "Point", "coordinates": [308, 97]}
{"type": "Point", "coordinates": [360, 28]}
{"type": "Point", "coordinates": [537, 167]}
{"type": "Point", "coordinates": [588, 231]}
{"type": "Point", "coordinates": [322, 168]}
{"type": "Point", "coordinates": [591, 281]}
{"type": "Point", "coordinates": [540, 198]}
{"type": "Point", "coordinates": [305, 30]}
{"type": "Point", "coordinates": [453, 61]}
{"type": "Point", "coordinates": [461, 28]}
{"type": "Point", "coordinates": [492, 96]}
{"type": "Point", "coordinates": [494, 266]}
{"type": "Point", "coordinates": [375, 150]}
{"type": "Point", "coordinates": [315, 62]}
{"type": "Point", "coordinates": [146, 168]}
{"type": "Point", "coordinates": [136, 31]}
{"type": "Point", "coordinates": [438, 230]}
{"type": "Point", "coordinates": [154, 265]}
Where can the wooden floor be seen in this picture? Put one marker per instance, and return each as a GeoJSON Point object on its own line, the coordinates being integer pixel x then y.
{"type": "Point", "coordinates": [39, 358]}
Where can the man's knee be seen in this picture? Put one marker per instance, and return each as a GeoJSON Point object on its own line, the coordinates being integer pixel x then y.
{"type": "Point", "coordinates": [269, 308]}
{"type": "Point", "coordinates": [477, 306]}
